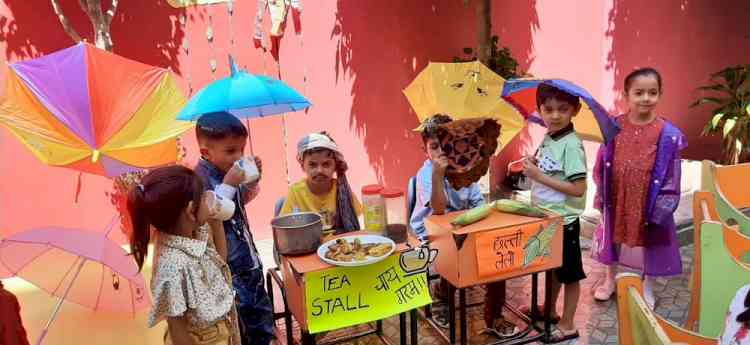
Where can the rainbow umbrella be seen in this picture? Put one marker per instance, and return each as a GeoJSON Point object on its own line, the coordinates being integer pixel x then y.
{"type": "Point", "coordinates": [94, 111]}
{"type": "Point", "coordinates": [593, 122]}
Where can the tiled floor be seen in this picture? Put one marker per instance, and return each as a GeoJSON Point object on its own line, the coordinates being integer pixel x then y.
{"type": "Point", "coordinates": [596, 321]}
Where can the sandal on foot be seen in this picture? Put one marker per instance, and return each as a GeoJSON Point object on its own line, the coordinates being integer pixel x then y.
{"type": "Point", "coordinates": [503, 328]}
{"type": "Point", "coordinates": [558, 336]}
{"type": "Point", "coordinates": [604, 292]}
{"type": "Point", "coordinates": [539, 316]}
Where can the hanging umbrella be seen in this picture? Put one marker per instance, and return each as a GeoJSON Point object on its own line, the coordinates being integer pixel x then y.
{"type": "Point", "coordinates": [463, 90]}
{"type": "Point", "coordinates": [244, 95]}
{"type": "Point", "coordinates": [84, 267]}
{"type": "Point", "coordinates": [93, 111]}
{"type": "Point", "coordinates": [593, 122]}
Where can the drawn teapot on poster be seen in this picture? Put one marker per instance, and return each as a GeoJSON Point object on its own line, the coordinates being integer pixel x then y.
{"type": "Point", "coordinates": [416, 260]}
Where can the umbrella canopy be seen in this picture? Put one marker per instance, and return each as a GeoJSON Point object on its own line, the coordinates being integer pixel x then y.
{"type": "Point", "coordinates": [244, 95]}
{"type": "Point", "coordinates": [593, 122]}
{"type": "Point", "coordinates": [94, 111]}
{"type": "Point", "coordinates": [101, 274]}
{"type": "Point", "coordinates": [463, 90]}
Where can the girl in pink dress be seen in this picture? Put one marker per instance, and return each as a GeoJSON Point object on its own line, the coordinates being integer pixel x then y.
{"type": "Point", "coordinates": [638, 189]}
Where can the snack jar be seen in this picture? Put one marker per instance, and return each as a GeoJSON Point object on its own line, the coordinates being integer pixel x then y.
{"type": "Point", "coordinates": [395, 210]}
{"type": "Point", "coordinates": [373, 208]}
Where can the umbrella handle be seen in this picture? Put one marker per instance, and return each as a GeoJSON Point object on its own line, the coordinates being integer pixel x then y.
{"type": "Point", "coordinates": [249, 139]}
{"type": "Point", "coordinates": [60, 301]}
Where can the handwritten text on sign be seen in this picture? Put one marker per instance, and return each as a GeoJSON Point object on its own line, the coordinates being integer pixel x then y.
{"type": "Point", "coordinates": [514, 248]}
{"type": "Point", "coordinates": [344, 296]}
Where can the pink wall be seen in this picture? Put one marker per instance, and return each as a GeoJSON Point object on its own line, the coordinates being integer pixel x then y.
{"type": "Point", "coordinates": [356, 57]}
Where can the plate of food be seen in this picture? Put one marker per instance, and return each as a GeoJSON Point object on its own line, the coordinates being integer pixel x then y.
{"type": "Point", "coordinates": [357, 250]}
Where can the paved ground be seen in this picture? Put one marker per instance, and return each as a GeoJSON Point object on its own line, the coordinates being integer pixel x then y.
{"type": "Point", "coordinates": [596, 321]}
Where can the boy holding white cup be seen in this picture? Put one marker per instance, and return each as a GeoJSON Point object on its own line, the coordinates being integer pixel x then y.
{"type": "Point", "coordinates": [222, 138]}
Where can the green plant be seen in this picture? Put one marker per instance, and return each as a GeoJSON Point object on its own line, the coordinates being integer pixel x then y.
{"type": "Point", "coordinates": [501, 60]}
{"type": "Point", "coordinates": [730, 90]}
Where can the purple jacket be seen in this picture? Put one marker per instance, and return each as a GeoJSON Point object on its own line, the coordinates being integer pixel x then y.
{"type": "Point", "coordinates": [661, 254]}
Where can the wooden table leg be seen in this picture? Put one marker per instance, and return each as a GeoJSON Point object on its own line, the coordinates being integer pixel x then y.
{"type": "Point", "coordinates": [307, 338]}
{"type": "Point", "coordinates": [452, 313]}
{"type": "Point", "coordinates": [547, 305]}
{"type": "Point", "coordinates": [402, 328]}
{"type": "Point", "coordinates": [413, 322]}
{"type": "Point", "coordinates": [462, 315]}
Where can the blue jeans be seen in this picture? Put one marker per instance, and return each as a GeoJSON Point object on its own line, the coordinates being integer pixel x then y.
{"type": "Point", "coordinates": [254, 308]}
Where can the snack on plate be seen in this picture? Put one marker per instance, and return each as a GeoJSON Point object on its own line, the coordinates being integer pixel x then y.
{"type": "Point", "coordinates": [342, 250]}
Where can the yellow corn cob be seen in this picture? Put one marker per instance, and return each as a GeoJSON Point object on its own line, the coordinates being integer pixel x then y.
{"type": "Point", "coordinates": [472, 216]}
{"type": "Point", "coordinates": [518, 207]}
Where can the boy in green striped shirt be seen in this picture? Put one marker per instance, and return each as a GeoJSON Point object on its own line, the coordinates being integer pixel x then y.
{"type": "Point", "coordinates": [558, 183]}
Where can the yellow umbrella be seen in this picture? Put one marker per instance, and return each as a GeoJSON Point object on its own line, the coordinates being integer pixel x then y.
{"type": "Point", "coordinates": [463, 90]}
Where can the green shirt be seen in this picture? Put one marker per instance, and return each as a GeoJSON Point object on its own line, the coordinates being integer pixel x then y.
{"type": "Point", "coordinates": [561, 156]}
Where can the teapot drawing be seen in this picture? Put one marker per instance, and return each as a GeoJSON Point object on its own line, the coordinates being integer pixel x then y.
{"type": "Point", "coordinates": [417, 259]}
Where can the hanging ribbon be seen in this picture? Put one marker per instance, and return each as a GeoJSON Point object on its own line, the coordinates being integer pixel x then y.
{"type": "Point", "coordinates": [78, 187]}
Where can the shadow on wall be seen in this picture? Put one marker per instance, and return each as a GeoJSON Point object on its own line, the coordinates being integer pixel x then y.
{"type": "Point", "coordinates": [33, 30]}
{"type": "Point", "coordinates": [382, 46]}
{"type": "Point", "coordinates": [686, 41]}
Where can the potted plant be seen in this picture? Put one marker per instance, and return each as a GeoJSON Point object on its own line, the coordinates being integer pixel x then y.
{"type": "Point", "coordinates": [730, 96]}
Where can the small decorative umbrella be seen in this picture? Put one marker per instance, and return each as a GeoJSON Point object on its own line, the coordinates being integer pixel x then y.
{"type": "Point", "coordinates": [463, 90]}
{"type": "Point", "coordinates": [593, 122]}
{"type": "Point", "coordinates": [93, 111]}
{"type": "Point", "coordinates": [84, 267]}
{"type": "Point", "coordinates": [246, 96]}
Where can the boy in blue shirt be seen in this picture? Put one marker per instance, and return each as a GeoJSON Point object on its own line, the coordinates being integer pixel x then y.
{"type": "Point", "coordinates": [435, 195]}
{"type": "Point", "coordinates": [222, 138]}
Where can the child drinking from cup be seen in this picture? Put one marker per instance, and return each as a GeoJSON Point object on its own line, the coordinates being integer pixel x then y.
{"type": "Point", "coordinates": [190, 282]}
{"type": "Point", "coordinates": [222, 138]}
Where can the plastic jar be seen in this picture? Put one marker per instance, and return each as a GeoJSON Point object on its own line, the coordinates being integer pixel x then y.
{"type": "Point", "coordinates": [395, 210]}
{"type": "Point", "coordinates": [373, 208]}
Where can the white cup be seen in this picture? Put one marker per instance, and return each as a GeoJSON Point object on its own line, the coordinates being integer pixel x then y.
{"type": "Point", "coordinates": [220, 208]}
{"type": "Point", "coordinates": [247, 164]}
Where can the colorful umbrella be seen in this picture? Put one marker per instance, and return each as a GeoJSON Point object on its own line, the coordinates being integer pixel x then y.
{"type": "Point", "coordinates": [593, 122]}
{"type": "Point", "coordinates": [94, 111]}
{"type": "Point", "coordinates": [244, 95]}
{"type": "Point", "coordinates": [463, 90]}
{"type": "Point", "coordinates": [84, 267]}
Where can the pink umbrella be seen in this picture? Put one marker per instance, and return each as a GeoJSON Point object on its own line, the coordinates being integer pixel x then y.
{"type": "Point", "coordinates": [84, 267]}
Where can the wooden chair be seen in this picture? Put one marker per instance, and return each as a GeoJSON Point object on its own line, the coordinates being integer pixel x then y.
{"type": "Point", "coordinates": [718, 268]}
{"type": "Point", "coordinates": [640, 325]}
{"type": "Point", "coordinates": [729, 185]}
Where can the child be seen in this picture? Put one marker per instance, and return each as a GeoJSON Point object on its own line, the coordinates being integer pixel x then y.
{"type": "Point", "coordinates": [190, 282]}
{"type": "Point", "coordinates": [434, 195]}
{"type": "Point", "coordinates": [222, 138]}
{"type": "Point", "coordinates": [11, 327]}
{"type": "Point", "coordinates": [561, 188]}
{"type": "Point", "coordinates": [638, 189]}
{"type": "Point", "coordinates": [320, 158]}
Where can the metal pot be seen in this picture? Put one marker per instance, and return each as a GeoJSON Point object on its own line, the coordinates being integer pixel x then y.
{"type": "Point", "coordinates": [297, 233]}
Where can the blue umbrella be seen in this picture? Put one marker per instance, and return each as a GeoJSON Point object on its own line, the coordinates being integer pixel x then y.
{"type": "Point", "coordinates": [244, 95]}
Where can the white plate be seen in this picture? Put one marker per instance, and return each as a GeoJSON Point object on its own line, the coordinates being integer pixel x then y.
{"type": "Point", "coordinates": [365, 239]}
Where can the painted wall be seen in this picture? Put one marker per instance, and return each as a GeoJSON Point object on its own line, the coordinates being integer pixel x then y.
{"type": "Point", "coordinates": [352, 61]}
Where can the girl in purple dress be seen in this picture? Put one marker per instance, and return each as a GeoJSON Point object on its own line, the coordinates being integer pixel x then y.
{"type": "Point", "coordinates": [638, 189]}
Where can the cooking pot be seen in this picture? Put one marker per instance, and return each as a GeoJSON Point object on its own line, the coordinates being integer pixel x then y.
{"type": "Point", "coordinates": [297, 233]}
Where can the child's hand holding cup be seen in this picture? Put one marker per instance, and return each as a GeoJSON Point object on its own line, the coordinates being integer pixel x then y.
{"type": "Point", "coordinates": [250, 168]}
{"type": "Point", "coordinates": [219, 207]}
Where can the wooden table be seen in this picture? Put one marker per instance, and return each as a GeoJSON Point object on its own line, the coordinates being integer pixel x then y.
{"type": "Point", "coordinates": [459, 262]}
{"type": "Point", "coordinates": [295, 268]}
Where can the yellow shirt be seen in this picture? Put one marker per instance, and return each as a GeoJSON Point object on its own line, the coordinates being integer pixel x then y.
{"type": "Point", "coordinates": [301, 199]}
